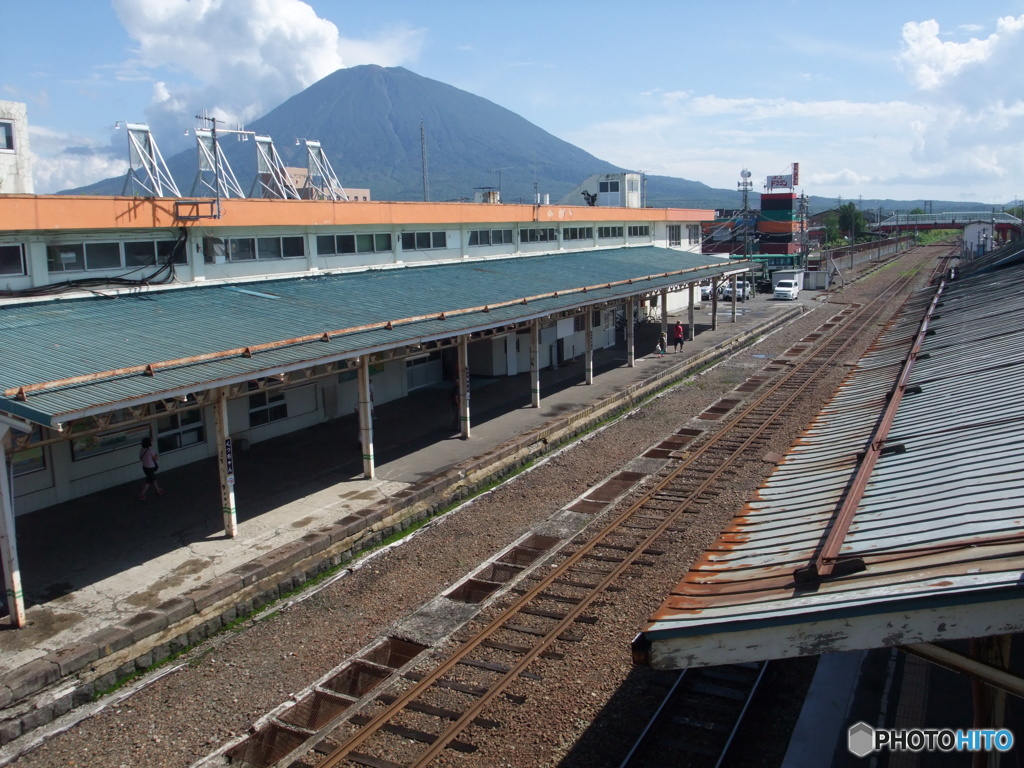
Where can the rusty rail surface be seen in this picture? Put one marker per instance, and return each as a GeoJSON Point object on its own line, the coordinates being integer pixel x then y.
{"type": "Point", "coordinates": [546, 613]}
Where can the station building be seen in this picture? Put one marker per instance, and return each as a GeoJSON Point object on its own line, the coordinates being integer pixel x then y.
{"type": "Point", "coordinates": [207, 324]}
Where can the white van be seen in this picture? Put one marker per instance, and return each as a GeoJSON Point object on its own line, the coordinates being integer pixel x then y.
{"type": "Point", "coordinates": [787, 289]}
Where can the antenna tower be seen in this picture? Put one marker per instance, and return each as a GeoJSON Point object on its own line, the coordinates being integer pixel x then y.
{"type": "Point", "coordinates": [147, 171]}
{"type": "Point", "coordinates": [271, 177]}
{"type": "Point", "coordinates": [320, 177]}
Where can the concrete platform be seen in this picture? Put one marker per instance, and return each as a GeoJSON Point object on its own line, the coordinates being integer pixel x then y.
{"type": "Point", "coordinates": [114, 585]}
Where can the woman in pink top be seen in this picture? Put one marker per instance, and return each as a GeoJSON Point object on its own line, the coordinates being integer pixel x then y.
{"type": "Point", "coordinates": [148, 457]}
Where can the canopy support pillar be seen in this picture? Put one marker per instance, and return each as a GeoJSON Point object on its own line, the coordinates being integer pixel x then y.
{"type": "Point", "coordinates": [535, 363]}
{"type": "Point", "coordinates": [365, 417]}
{"type": "Point", "coordinates": [9, 541]}
{"type": "Point", "coordinates": [588, 356]}
{"type": "Point", "coordinates": [463, 375]}
{"type": "Point", "coordinates": [630, 332]}
{"type": "Point", "coordinates": [226, 465]}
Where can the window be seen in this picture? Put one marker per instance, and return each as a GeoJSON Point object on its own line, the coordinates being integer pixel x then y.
{"type": "Point", "coordinates": [65, 258]}
{"type": "Point", "coordinates": [102, 255]}
{"type": "Point", "coordinates": [31, 458]}
{"type": "Point", "coordinates": [423, 241]}
{"type": "Point", "coordinates": [608, 186]}
{"type": "Point", "coordinates": [632, 185]}
{"type": "Point", "coordinates": [607, 232]}
{"type": "Point", "coordinates": [268, 248]}
{"type": "Point", "coordinates": [12, 259]}
{"type": "Point", "coordinates": [179, 430]}
{"type": "Point", "coordinates": [6, 136]}
{"type": "Point", "coordinates": [640, 231]}
{"type": "Point", "coordinates": [543, 235]}
{"type": "Point", "coordinates": [675, 234]}
{"type": "Point", "coordinates": [579, 324]}
{"type": "Point", "coordinates": [241, 249]}
{"type": "Point", "coordinates": [174, 250]}
{"type": "Point", "coordinates": [423, 371]}
{"type": "Point", "coordinates": [265, 407]}
{"type": "Point", "coordinates": [490, 236]}
{"type": "Point", "coordinates": [85, 446]}
{"type": "Point", "coordinates": [326, 245]}
{"type": "Point", "coordinates": [140, 254]}
{"type": "Point", "coordinates": [693, 234]}
{"type": "Point", "coordinates": [577, 233]}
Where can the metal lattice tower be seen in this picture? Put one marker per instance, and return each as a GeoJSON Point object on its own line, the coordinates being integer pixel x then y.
{"type": "Point", "coordinates": [321, 179]}
{"type": "Point", "coordinates": [147, 171]}
{"type": "Point", "coordinates": [271, 177]}
{"type": "Point", "coordinates": [214, 174]}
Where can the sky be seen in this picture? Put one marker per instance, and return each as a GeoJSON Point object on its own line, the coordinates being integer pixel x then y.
{"type": "Point", "coordinates": [904, 101]}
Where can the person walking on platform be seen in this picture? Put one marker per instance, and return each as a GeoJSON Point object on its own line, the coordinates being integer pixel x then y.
{"type": "Point", "coordinates": [662, 345]}
{"type": "Point", "coordinates": [148, 457]}
{"type": "Point", "coordinates": [678, 334]}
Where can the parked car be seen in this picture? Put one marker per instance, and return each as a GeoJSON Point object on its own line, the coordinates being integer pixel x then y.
{"type": "Point", "coordinates": [744, 290]}
{"type": "Point", "coordinates": [705, 291]}
{"type": "Point", "coordinates": [787, 289]}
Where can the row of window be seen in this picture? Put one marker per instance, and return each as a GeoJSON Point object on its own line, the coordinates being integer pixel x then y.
{"type": "Point", "coordinates": [329, 245]}
{"type": "Point", "coordinates": [76, 257]}
{"type": "Point", "coordinates": [577, 233]}
{"type": "Point", "coordinates": [490, 236]}
{"type": "Point", "coordinates": [253, 248]}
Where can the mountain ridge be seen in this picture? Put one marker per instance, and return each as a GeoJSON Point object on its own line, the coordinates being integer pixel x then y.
{"type": "Point", "coordinates": [367, 119]}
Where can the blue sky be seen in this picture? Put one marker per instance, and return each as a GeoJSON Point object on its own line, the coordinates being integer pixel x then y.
{"type": "Point", "coordinates": [908, 100]}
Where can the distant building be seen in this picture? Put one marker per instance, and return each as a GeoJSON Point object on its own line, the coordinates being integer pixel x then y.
{"type": "Point", "coordinates": [15, 159]}
{"type": "Point", "coordinates": [299, 177]}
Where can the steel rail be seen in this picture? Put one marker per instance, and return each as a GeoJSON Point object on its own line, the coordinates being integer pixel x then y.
{"type": "Point", "coordinates": [377, 722]}
{"type": "Point", "coordinates": [657, 726]}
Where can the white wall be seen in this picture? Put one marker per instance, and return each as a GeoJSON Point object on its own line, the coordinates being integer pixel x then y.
{"type": "Point", "coordinates": [16, 164]}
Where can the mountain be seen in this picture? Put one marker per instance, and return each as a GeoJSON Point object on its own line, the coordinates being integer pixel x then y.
{"type": "Point", "coordinates": [368, 119]}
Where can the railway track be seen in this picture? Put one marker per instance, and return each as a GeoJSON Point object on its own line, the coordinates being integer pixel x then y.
{"type": "Point", "coordinates": [432, 705]}
{"type": "Point", "coordinates": [698, 719]}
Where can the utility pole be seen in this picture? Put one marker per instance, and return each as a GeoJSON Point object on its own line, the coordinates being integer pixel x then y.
{"type": "Point", "coordinates": [498, 171]}
{"type": "Point", "coordinates": [423, 156]}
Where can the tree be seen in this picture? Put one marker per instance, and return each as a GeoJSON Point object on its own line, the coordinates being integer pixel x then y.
{"type": "Point", "coordinates": [832, 235]}
{"type": "Point", "coordinates": [851, 221]}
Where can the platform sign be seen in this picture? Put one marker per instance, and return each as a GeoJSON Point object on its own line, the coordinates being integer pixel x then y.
{"type": "Point", "coordinates": [229, 461]}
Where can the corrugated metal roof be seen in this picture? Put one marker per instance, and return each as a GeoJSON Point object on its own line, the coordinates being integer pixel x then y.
{"type": "Point", "coordinates": [939, 525]}
{"type": "Point", "coordinates": [63, 339]}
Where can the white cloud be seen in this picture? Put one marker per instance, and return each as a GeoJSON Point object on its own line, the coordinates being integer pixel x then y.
{"type": "Point", "coordinates": [245, 56]}
{"type": "Point", "coordinates": [64, 161]}
{"type": "Point", "coordinates": [932, 62]}
{"type": "Point", "coordinates": [235, 59]}
{"type": "Point", "coordinates": [400, 45]}
{"type": "Point", "coordinates": [240, 58]}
